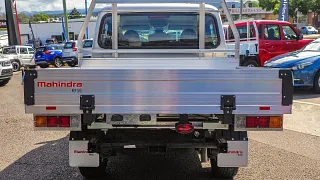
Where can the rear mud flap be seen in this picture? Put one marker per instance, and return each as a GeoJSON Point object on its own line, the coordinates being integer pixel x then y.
{"type": "Point", "coordinates": [237, 155]}
{"type": "Point", "coordinates": [79, 156]}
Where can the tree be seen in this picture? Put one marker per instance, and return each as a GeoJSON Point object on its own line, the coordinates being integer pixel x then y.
{"type": "Point", "coordinates": [40, 17]}
{"type": "Point", "coordinates": [23, 18]}
{"type": "Point", "coordinates": [295, 6]}
{"type": "Point", "coordinates": [75, 14]}
{"type": "Point", "coordinates": [315, 8]}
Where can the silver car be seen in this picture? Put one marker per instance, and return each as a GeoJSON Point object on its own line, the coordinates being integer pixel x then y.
{"type": "Point", "coordinates": [6, 71]}
{"type": "Point", "coordinates": [19, 55]}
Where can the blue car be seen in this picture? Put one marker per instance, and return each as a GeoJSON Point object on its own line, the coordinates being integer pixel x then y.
{"type": "Point", "coordinates": [49, 55]}
{"type": "Point", "coordinates": [305, 65]}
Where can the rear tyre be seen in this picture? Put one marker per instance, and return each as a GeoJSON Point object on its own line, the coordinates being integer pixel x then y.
{"type": "Point", "coordinates": [4, 82]}
{"type": "Point", "coordinates": [57, 62]}
{"type": "Point", "coordinates": [250, 63]}
{"type": "Point", "coordinates": [44, 66]}
{"type": "Point", "coordinates": [316, 86]}
{"type": "Point", "coordinates": [222, 172]}
{"type": "Point", "coordinates": [16, 66]}
{"type": "Point", "coordinates": [94, 172]}
{"type": "Point", "coordinates": [72, 64]}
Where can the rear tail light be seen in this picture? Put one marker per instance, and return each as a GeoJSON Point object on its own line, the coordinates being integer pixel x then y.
{"type": "Point", "coordinates": [74, 48]}
{"type": "Point", "coordinates": [40, 121]}
{"type": "Point", "coordinates": [52, 121]}
{"type": "Point", "coordinates": [184, 128]}
{"type": "Point", "coordinates": [47, 52]}
{"type": "Point", "coordinates": [275, 122]}
{"type": "Point", "coordinates": [263, 122]}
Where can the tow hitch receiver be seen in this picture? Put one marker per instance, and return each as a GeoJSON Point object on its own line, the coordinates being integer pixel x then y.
{"type": "Point", "coordinates": [184, 126]}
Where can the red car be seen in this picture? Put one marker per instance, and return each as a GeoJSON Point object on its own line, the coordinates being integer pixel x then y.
{"type": "Point", "coordinates": [275, 38]}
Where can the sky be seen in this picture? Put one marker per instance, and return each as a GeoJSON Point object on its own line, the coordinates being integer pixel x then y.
{"type": "Point", "coordinates": [46, 5]}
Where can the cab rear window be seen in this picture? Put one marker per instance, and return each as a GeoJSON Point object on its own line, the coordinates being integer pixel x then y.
{"type": "Point", "coordinates": [68, 45]}
{"type": "Point", "coordinates": [159, 31]}
{"type": "Point", "coordinates": [242, 32]}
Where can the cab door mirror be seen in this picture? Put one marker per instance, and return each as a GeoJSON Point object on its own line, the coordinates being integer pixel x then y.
{"type": "Point", "coordinates": [300, 36]}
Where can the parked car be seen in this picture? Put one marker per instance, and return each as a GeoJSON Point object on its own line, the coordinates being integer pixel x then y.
{"type": "Point", "coordinates": [269, 39]}
{"type": "Point", "coordinates": [308, 30]}
{"type": "Point", "coordinates": [19, 55]}
{"type": "Point", "coordinates": [6, 71]}
{"type": "Point", "coordinates": [70, 51]}
{"type": "Point", "coordinates": [51, 41]}
{"type": "Point", "coordinates": [49, 55]}
{"type": "Point", "coordinates": [4, 40]}
{"type": "Point", "coordinates": [37, 43]}
{"type": "Point", "coordinates": [305, 64]}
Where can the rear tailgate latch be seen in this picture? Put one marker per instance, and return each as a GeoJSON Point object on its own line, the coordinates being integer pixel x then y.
{"type": "Point", "coordinates": [87, 104]}
{"type": "Point", "coordinates": [228, 104]}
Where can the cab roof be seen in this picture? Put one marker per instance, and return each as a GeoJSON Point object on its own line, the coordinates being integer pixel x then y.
{"type": "Point", "coordinates": [162, 7]}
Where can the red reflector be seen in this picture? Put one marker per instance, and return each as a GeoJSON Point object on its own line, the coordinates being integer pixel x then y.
{"type": "Point", "coordinates": [257, 122]}
{"type": "Point", "coordinates": [263, 122]}
{"type": "Point", "coordinates": [250, 122]}
{"type": "Point", "coordinates": [264, 108]}
{"type": "Point", "coordinates": [51, 108]}
{"type": "Point", "coordinates": [184, 128]}
{"type": "Point", "coordinates": [53, 121]}
{"type": "Point", "coordinates": [65, 121]}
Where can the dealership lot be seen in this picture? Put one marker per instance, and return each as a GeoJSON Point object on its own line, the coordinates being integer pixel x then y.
{"type": "Point", "coordinates": [26, 154]}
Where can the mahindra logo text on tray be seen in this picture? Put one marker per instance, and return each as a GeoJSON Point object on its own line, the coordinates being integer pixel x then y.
{"type": "Point", "coordinates": [58, 84]}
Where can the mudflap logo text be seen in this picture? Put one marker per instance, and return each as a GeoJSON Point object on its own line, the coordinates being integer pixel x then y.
{"type": "Point", "coordinates": [76, 87]}
{"type": "Point", "coordinates": [240, 153]}
{"type": "Point", "coordinates": [79, 152]}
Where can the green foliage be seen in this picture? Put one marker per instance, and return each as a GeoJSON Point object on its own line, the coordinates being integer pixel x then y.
{"type": "Point", "coordinates": [75, 14]}
{"type": "Point", "coordinates": [23, 18]}
{"type": "Point", "coordinates": [40, 17]}
{"type": "Point", "coordinates": [254, 4]}
{"type": "Point", "coordinates": [314, 6]}
{"type": "Point", "coordinates": [295, 6]}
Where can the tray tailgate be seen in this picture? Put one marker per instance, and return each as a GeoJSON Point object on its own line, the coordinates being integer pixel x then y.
{"type": "Point", "coordinates": [188, 91]}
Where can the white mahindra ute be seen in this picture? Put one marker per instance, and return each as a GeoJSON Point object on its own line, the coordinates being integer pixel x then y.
{"type": "Point", "coordinates": [159, 80]}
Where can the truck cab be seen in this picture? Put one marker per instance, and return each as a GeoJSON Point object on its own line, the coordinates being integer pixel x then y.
{"type": "Point", "coordinates": [274, 38]}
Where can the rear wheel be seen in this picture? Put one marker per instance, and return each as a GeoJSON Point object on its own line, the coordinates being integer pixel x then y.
{"type": "Point", "coordinates": [72, 64]}
{"type": "Point", "coordinates": [94, 172]}
{"type": "Point", "coordinates": [4, 82]}
{"type": "Point", "coordinates": [316, 86]}
{"type": "Point", "coordinates": [16, 66]}
{"type": "Point", "coordinates": [57, 62]}
{"type": "Point", "coordinates": [250, 63]}
{"type": "Point", "coordinates": [44, 66]}
{"type": "Point", "coordinates": [222, 172]}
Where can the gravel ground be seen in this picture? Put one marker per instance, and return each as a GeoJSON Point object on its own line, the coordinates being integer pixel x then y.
{"type": "Point", "coordinates": [27, 154]}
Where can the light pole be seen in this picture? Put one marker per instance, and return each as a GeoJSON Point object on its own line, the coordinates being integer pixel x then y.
{"type": "Point", "coordinates": [65, 18]}
{"type": "Point", "coordinates": [86, 9]}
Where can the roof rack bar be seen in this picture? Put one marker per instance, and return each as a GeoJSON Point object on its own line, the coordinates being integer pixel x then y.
{"type": "Point", "coordinates": [202, 26]}
{"type": "Point", "coordinates": [83, 29]}
{"type": "Point", "coordinates": [114, 29]}
{"type": "Point", "coordinates": [115, 22]}
{"type": "Point", "coordinates": [233, 28]}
